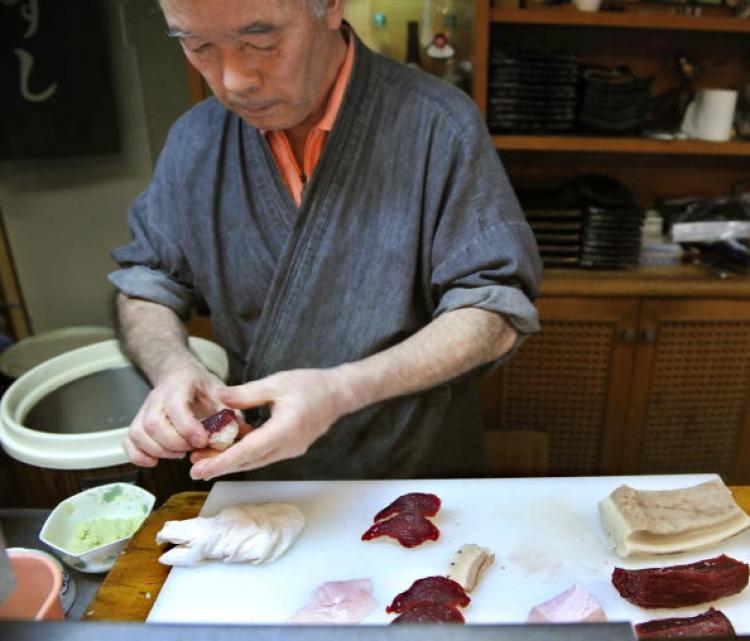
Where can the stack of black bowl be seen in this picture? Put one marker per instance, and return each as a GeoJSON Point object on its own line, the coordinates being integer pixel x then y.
{"type": "Point", "coordinates": [532, 92]}
{"type": "Point", "coordinates": [611, 237]}
{"type": "Point", "coordinates": [558, 233]}
{"type": "Point", "coordinates": [614, 100]}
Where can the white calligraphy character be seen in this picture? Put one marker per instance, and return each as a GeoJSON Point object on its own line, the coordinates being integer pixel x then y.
{"type": "Point", "coordinates": [27, 63]}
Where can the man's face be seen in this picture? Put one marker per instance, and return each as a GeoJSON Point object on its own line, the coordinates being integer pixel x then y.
{"type": "Point", "coordinates": [266, 60]}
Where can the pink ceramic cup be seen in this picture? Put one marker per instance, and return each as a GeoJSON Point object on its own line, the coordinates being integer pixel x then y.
{"type": "Point", "coordinates": [37, 592]}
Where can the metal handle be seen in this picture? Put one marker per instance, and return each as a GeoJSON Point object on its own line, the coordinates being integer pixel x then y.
{"type": "Point", "coordinates": [648, 335]}
{"type": "Point", "coordinates": [628, 335]}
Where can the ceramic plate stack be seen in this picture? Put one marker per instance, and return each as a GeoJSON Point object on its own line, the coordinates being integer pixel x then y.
{"type": "Point", "coordinates": [611, 237]}
{"type": "Point", "coordinates": [532, 92]}
{"type": "Point", "coordinates": [614, 100]}
{"type": "Point", "coordinates": [558, 234]}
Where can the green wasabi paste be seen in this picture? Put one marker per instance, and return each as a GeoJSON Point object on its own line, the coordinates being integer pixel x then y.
{"type": "Point", "coordinates": [100, 531]}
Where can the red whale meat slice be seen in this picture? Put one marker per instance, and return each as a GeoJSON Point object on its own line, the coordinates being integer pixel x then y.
{"type": "Point", "coordinates": [414, 503]}
{"type": "Point", "coordinates": [409, 529]}
{"type": "Point", "coordinates": [216, 421]}
{"type": "Point", "coordinates": [432, 589]}
{"type": "Point", "coordinates": [712, 623]}
{"type": "Point", "coordinates": [681, 585]}
{"type": "Point", "coordinates": [430, 613]}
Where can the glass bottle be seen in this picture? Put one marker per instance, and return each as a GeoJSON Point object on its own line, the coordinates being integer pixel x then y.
{"type": "Point", "coordinates": [413, 58]}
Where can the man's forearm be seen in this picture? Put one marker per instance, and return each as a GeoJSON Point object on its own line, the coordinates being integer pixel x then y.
{"type": "Point", "coordinates": [451, 345]}
{"type": "Point", "coordinates": [153, 337]}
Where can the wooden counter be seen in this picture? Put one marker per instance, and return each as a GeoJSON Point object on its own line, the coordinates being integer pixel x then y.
{"type": "Point", "coordinates": [131, 587]}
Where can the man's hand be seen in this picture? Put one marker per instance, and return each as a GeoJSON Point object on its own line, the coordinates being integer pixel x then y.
{"type": "Point", "coordinates": [304, 404]}
{"type": "Point", "coordinates": [167, 426]}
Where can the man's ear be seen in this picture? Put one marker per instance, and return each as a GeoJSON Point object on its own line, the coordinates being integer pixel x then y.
{"type": "Point", "coordinates": [334, 13]}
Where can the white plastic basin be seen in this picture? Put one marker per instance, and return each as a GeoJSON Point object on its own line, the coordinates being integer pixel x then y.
{"type": "Point", "coordinates": [71, 449]}
{"type": "Point", "coordinates": [29, 352]}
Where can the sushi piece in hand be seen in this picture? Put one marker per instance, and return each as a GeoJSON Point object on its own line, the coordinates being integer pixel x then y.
{"type": "Point", "coordinates": [222, 429]}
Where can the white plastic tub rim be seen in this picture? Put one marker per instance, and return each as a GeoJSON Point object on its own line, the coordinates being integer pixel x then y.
{"type": "Point", "coordinates": [31, 351]}
{"type": "Point", "coordinates": [76, 451]}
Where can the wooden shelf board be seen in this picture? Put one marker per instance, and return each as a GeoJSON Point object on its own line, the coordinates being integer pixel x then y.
{"type": "Point", "coordinates": [679, 281]}
{"type": "Point", "coordinates": [585, 144]}
{"type": "Point", "coordinates": [627, 20]}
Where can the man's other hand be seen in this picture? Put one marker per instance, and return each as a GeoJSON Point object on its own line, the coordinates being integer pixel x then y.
{"type": "Point", "coordinates": [304, 404]}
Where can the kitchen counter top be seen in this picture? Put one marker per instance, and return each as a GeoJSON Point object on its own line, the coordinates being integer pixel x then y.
{"type": "Point", "coordinates": [129, 590]}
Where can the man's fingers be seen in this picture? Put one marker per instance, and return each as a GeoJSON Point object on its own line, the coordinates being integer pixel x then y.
{"type": "Point", "coordinates": [206, 452]}
{"type": "Point", "coordinates": [255, 450]}
{"type": "Point", "coordinates": [252, 394]}
{"type": "Point", "coordinates": [136, 456]}
{"type": "Point", "coordinates": [186, 425]}
{"type": "Point", "coordinates": [159, 428]}
{"type": "Point", "coordinates": [149, 446]}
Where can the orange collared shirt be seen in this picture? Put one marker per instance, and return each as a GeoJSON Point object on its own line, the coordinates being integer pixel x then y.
{"type": "Point", "coordinates": [282, 149]}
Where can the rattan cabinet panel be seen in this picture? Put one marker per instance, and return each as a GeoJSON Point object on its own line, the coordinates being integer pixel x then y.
{"type": "Point", "coordinates": [569, 383]}
{"type": "Point", "coordinates": [631, 386]}
{"type": "Point", "coordinates": [690, 401]}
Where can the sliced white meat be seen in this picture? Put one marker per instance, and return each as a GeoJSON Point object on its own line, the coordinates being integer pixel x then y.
{"type": "Point", "coordinates": [575, 605]}
{"type": "Point", "coordinates": [469, 564]}
{"type": "Point", "coordinates": [667, 521]}
{"type": "Point", "coordinates": [337, 602]}
{"type": "Point", "coordinates": [250, 533]}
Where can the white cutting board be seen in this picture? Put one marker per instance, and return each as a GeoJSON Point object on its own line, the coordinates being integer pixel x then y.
{"type": "Point", "coordinates": [545, 534]}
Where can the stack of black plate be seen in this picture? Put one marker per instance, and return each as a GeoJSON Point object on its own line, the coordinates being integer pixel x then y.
{"type": "Point", "coordinates": [614, 100]}
{"type": "Point", "coordinates": [532, 91]}
{"type": "Point", "coordinates": [558, 234]}
{"type": "Point", "coordinates": [611, 237]}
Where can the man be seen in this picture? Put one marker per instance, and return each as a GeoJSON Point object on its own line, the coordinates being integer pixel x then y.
{"type": "Point", "coordinates": [350, 228]}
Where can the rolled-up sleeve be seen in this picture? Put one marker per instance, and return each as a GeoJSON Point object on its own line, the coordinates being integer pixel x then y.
{"type": "Point", "coordinates": [484, 253]}
{"type": "Point", "coordinates": [152, 266]}
{"type": "Point", "coordinates": [495, 271]}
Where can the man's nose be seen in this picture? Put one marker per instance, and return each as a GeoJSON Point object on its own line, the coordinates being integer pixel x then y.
{"type": "Point", "coordinates": [239, 75]}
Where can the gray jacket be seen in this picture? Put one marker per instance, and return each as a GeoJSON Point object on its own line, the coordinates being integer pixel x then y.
{"type": "Point", "coordinates": [409, 214]}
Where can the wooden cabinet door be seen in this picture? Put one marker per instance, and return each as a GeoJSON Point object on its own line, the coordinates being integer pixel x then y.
{"type": "Point", "coordinates": [567, 386]}
{"type": "Point", "coordinates": [690, 403]}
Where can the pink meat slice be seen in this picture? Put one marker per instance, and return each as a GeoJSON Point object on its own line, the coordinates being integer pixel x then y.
{"type": "Point", "coordinates": [430, 613]}
{"type": "Point", "coordinates": [408, 529]}
{"type": "Point", "coordinates": [414, 502]}
{"type": "Point", "coordinates": [337, 602]}
{"type": "Point", "coordinates": [431, 589]}
{"type": "Point", "coordinates": [712, 623]}
{"type": "Point", "coordinates": [575, 605]}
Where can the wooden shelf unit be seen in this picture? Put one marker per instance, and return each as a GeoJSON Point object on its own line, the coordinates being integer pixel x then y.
{"type": "Point", "coordinates": [645, 39]}
{"type": "Point", "coordinates": [643, 19]}
{"type": "Point", "coordinates": [588, 144]}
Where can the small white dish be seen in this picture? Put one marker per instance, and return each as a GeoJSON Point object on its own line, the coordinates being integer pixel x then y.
{"type": "Point", "coordinates": [111, 501]}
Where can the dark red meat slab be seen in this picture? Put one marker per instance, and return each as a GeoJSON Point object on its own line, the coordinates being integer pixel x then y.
{"type": "Point", "coordinates": [216, 421]}
{"type": "Point", "coordinates": [409, 529]}
{"type": "Point", "coordinates": [415, 503]}
{"type": "Point", "coordinates": [680, 585]}
{"type": "Point", "coordinates": [430, 613]}
{"type": "Point", "coordinates": [431, 589]}
{"type": "Point", "coordinates": [712, 623]}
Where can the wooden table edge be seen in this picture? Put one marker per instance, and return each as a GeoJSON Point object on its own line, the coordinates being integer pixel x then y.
{"type": "Point", "coordinates": [130, 588]}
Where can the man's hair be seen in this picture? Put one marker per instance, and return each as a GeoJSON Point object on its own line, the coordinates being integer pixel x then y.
{"type": "Point", "coordinates": [318, 7]}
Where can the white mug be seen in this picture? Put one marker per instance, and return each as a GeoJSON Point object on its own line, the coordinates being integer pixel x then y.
{"type": "Point", "coordinates": [587, 5]}
{"type": "Point", "coordinates": [710, 115]}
